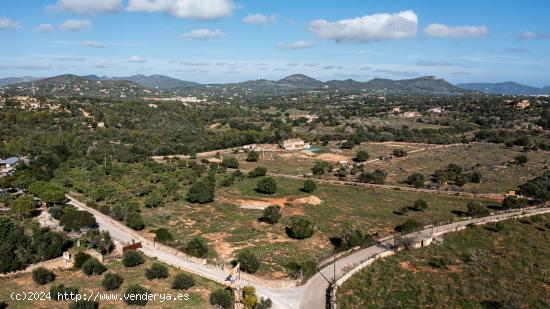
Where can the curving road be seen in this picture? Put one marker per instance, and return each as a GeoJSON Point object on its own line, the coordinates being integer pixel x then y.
{"type": "Point", "coordinates": [309, 296]}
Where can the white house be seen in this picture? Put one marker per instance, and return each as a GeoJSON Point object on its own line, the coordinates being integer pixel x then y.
{"type": "Point", "coordinates": [295, 144]}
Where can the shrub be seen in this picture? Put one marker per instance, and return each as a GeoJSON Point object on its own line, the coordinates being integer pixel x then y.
{"type": "Point", "coordinates": [153, 200]}
{"type": "Point", "coordinates": [93, 267]}
{"type": "Point", "coordinates": [300, 228]}
{"type": "Point", "coordinates": [230, 162]}
{"type": "Point", "coordinates": [156, 271]}
{"type": "Point", "coordinates": [376, 177]}
{"type": "Point", "coordinates": [183, 281]}
{"type": "Point", "coordinates": [521, 159]}
{"type": "Point", "coordinates": [259, 171]}
{"type": "Point", "coordinates": [266, 185]}
{"type": "Point", "coordinates": [132, 258]}
{"type": "Point", "coordinates": [252, 156]}
{"type": "Point", "coordinates": [80, 258]}
{"type": "Point", "coordinates": [42, 276]}
{"type": "Point", "coordinates": [134, 221]}
{"type": "Point", "coordinates": [249, 297]}
{"type": "Point", "coordinates": [202, 191]}
{"type": "Point", "coordinates": [321, 168]}
{"type": "Point", "coordinates": [101, 241]}
{"type": "Point", "coordinates": [84, 304]}
{"type": "Point", "coordinates": [24, 206]}
{"type": "Point", "coordinates": [61, 293]}
{"type": "Point", "coordinates": [347, 145]}
{"type": "Point", "coordinates": [136, 295]}
{"type": "Point", "coordinates": [399, 152]}
{"type": "Point", "coordinates": [249, 262]}
{"type": "Point", "coordinates": [416, 180]}
{"type": "Point", "coordinates": [76, 220]}
{"type": "Point", "coordinates": [475, 177]}
{"type": "Point", "coordinates": [197, 247]}
{"type": "Point", "coordinates": [409, 226]}
{"type": "Point", "coordinates": [163, 235]}
{"type": "Point", "coordinates": [309, 186]}
{"type": "Point", "coordinates": [264, 304]}
{"type": "Point", "coordinates": [223, 298]}
{"type": "Point", "coordinates": [420, 204]}
{"type": "Point", "coordinates": [513, 202]}
{"type": "Point", "coordinates": [111, 281]}
{"type": "Point", "coordinates": [351, 239]}
{"type": "Point", "coordinates": [56, 211]}
{"type": "Point", "coordinates": [302, 269]}
{"type": "Point", "coordinates": [361, 156]}
{"type": "Point", "coordinates": [272, 214]}
{"type": "Point", "coordinates": [476, 209]}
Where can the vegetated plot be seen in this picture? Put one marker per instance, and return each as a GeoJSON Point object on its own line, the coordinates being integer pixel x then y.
{"type": "Point", "coordinates": [290, 163]}
{"type": "Point", "coordinates": [198, 295]}
{"type": "Point", "coordinates": [395, 122]}
{"type": "Point", "coordinates": [493, 161]}
{"type": "Point", "coordinates": [503, 265]}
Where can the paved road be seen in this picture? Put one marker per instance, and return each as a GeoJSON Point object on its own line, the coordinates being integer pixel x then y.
{"type": "Point", "coordinates": [309, 296]}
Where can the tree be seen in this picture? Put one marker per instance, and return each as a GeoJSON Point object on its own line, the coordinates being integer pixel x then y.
{"type": "Point", "coordinates": [409, 226]}
{"type": "Point", "coordinates": [183, 281]}
{"type": "Point", "coordinates": [475, 177]}
{"type": "Point", "coordinates": [513, 202]}
{"type": "Point", "coordinates": [476, 209]}
{"type": "Point", "coordinates": [156, 271]}
{"type": "Point", "coordinates": [259, 171]}
{"type": "Point", "coordinates": [521, 159]}
{"type": "Point", "coordinates": [272, 214]}
{"type": "Point", "coordinates": [24, 206]}
{"type": "Point", "coordinates": [376, 177]}
{"type": "Point", "coordinates": [416, 180]}
{"type": "Point", "coordinates": [309, 186]}
{"type": "Point", "coordinates": [80, 258]}
{"type": "Point", "coordinates": [134, 221]}
{"type": "Point", "coordinates": [77, 220]}
{"type": "Point", "coordinates": [162, 235]}
{"type": "Point", "coordinates": [111, 281]}
{"type": "Point", "coordinates": [300, 228]}
{"type": "Point", "coordinates": [84, 304]}
{"type": "Point", "coordinates": [197, 247]}
{"type": "Point", "coordinates": [361, 156]}
{"type": "Point", "coordinates": [223, 298]}
{"type": "Point", "coordinates": [132, 258]}
{"type": "Point", "coordinates": [321, 168]}
{"type": "Point", "coordinates": [399, 152]}
{"type": "Point", "coordinates": [266, 185]}
{"type": "Point", "coordinates": [420, 204]}
{"type": "Point", "coordinates": [230, 162]}
{"type": "Point", "coordinates": [136, 295]}
{"type": "Point", "coordinates": [99, 240]}
{"type": "Point", "coordinates": [249, 262]}
{"type": "Point", "coordinates": [14, 246]}
{"type": "Point", "coordinates": [252, 156]}
{"type": "Point", "coordinates": [352, 238]}
{"type": "Point", "coordinates": [263, 304]}
{"type": "Point", "coordinates": [202, 191]}
{"type": "Point", "coordinates": [153, 200]}
{"type": "Point", "coordinates": [42, 276]}
{"type": "Point", "coordinates": [93, 267]}
{"type": "Point", "coordinates": [249, 297]}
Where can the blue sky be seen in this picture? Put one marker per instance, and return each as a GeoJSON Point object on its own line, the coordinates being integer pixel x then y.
{"type": "Point", "coordinates": [235, 40]}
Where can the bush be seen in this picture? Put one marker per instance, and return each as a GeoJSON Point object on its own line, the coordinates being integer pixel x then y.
{"type": "Point", "coordinates": [361, 156]}
{"type": "Point", "coordinates": [300, 228]}
{"type": "Point", "coordinates": [302, 269]}
{"type": "Point", "coordinates": [475, 177]}
{"type": "Point", "coordinates": [136, 295]}
{"type": "Point", "coordinates": [111, 281]}
{"type": "Point", "coordinates": [101, 241]}
{"type": "Point", "coordinates": [24, 206]}
{"type": "Point", "coordinates": [80, 258]}
{"type": "Point", "coordinates": [399, 153]}
{"type": "Point", "coordinates": [230, 162]}
{"type": "Point", "coordinates": [202, 191]}
{"type": "Point", "coordinates": [252, 156]}
{"type": "Point", "coordinates": [321, 168]}
{"type": "Point", "coordinates": [521, 159]}
{"type": "Point", "coordinates": [162, 235]}
{"type": "Point", "coordinates": [376, 177]}
{"type": "Point", "coordinates": [416, 180]}
{"type": "Point", "coordinates": [272, 214]}
{"type": "Point", "coordinates": [249, 262]}
{"type": "Point", "coordinates": [249, 297]}
{"type": "Point", "coordinates": [223, 298]}
{"type": "Point", "coordinates": [476, 209]}
{"type": "Point", "coordinates": [183, 281]}
{"type": "Point", "coordinates": [309, 186]}
{"type": "Point", "coordinates": [93, 267]}
{"type": "Point", "coordinates": [266, 185]}
{"type": "Point", "coordinates": [409, 226]}
{"type": "Point", "coordinates": [153, 200]}
{"type": "Point", "coordinates": [259, 171]}
{"type": "Point", "coordinates": [513, 202]}
{"type": "Point", "coordinates": [132, 258]}
{"type": "Point", "coordinates": [56, 211]}
{"type": "Point", "coordinates": [84, 304]}
{"type": "Point", "coordinates": [197, 247]}
{"type": "Point", "coordinates": [351, 239]}
{"type": "Point", "coordinates": [61, 293]}
{"type": "Point", "coordinates": [42, 276]}
{"type": "Point", "coordinates": [264, 304]}
{"type": "Point", "coordinates": [156, 271]}
{"type": "Point", "coordinates": [134, 221]}
{"type": "Point", "coordinates": [420, 205]}
{"type": "Point", "coordinates": [76, 220]}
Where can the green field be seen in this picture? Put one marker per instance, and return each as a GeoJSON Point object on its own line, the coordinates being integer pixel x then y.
{"type": "Point", "coordinates": [503, 265]}
{"type": "Point", "coordinates": [198, 295]}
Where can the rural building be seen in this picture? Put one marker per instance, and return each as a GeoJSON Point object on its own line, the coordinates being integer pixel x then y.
{"type": "Point", "coordinates": [523, 104]}
{"type": "Point", "coordinates": [295, 144]}
{"type": "Point", "coordinates": [8, 165]}
{"type": "Point", "coordinates": [411, 114]}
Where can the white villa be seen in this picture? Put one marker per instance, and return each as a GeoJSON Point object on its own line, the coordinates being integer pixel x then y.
{"type": "Point", "coordinates": [295, 144]}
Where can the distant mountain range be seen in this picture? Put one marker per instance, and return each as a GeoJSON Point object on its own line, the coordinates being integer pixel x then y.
{"type": "Point", "coordinates": [292, 83]}
{"type": "Point", "coordinates": [508, 88]}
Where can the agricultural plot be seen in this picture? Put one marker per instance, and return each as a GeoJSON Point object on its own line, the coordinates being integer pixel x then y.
{"type": "Point", "coordinates": [503, 265]}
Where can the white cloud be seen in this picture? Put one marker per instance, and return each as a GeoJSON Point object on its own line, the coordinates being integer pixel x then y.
{"type": "Point", "coordinates": [528, 35]}
{"type": "Point", "coordinates": [202, 34]}
{"type": "Point", "coordinates": [259, 19]}
{"type": "Point", "coordinates": [136, 59]}
{"type": "Point", "coordinates": [76, 24]}
{"type": "Point", "coordinates": [44, 28]}
{"type": "Point", "coordinates": [459, 32]}
{"type": "Point", "coordinates": [432, 63]}
{"type": "Point", "coordinates": [199, 9]}
{"type": "Point", "coordinates": [377, 27]}
{"type": "Point", "coordinates": [87, 7]}
{"type": "Point", "coordinates": [7, 24]}
{"type": "Point", "coordinates": [296, 45]}
{"type": "Point", "coordinates": [92, 44]}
